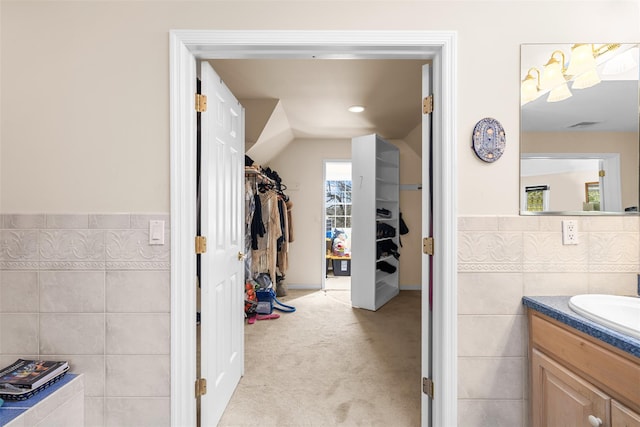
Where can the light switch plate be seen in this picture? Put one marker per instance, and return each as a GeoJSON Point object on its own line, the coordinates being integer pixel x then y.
{"type": "Point", "coordinates": [156, 232]}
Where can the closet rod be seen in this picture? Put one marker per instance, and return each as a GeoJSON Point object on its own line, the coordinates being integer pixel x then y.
{"type": "Point", "coordinates": [252, 171]}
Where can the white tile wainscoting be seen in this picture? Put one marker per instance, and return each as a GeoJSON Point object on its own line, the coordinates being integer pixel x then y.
{"type": "Point", "coordinates": [503, 258]}
{"type": "Point", "coordinates": [90, 289]}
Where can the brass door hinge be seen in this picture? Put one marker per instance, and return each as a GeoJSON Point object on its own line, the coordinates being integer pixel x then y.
{"type": "Point", "coordinates": [201, 103]}
{"type": "Point", "coordinates": [201, 245]}
{"type": "Point", "coordinates": [427, 245]}
{"type": "Point", "coordinates": [201, 387]}
{"type": "Point", "coordinates": [427, 105]}
{"type": "Point", "coordinates": [601, 173]}
{"type": "Point", "coordinates": [428, 387]}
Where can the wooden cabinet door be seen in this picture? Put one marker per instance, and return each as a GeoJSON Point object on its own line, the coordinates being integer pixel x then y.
{"type": "Point", "coordinates": [562, 399]}
{"type": "Point", "coordinates": [621, 416]}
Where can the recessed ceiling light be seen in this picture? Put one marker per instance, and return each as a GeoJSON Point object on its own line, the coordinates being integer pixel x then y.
{"type": "Point", "coordinates": [356, 108]}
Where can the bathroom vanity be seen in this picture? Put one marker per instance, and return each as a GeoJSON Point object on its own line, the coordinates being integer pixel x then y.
{"type": "Point", "coordinates": [581, 373]}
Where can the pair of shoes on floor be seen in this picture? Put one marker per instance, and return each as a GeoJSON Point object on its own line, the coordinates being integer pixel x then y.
{"type": "Point", "coordinates": [253, 319]}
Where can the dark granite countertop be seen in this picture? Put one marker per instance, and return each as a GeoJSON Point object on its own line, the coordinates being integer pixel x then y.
{"type": "Point", "coordinates": [557, 307]}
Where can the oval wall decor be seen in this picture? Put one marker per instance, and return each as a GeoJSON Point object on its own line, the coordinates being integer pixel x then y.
{"type": "Point", "coordinates": [488, 139]}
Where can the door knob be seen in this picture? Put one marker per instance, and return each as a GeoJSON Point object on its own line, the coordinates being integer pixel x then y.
{"type": "Point", "coordinates": [595, 421]}
{"type": "Point", "coordinates": [241, 256]}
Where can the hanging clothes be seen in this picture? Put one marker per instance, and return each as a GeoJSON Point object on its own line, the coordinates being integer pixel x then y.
{"type": "Point", "coordinates": [283, 250]}
{"type": "Point", "coordinates": [290, 219]}
{"type": "Point", "coordinates": [265, 256]}
{"type": "Point", "coordinates": [249, 209]}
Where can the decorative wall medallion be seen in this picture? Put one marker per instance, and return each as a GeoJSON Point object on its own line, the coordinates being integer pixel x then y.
{"type": "Point", "coordinates": [488, 139]}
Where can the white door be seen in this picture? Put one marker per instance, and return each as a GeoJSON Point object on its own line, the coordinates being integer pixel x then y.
{"type": "Point", "coordinates": [222, 270]}
{"type": "Point", "coordinates": [610, 186]}
{"type": "Point", "coordinates": [427, 230]}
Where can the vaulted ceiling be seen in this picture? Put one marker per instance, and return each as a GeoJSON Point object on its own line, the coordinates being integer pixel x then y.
{"type": "Point", "coordinates": [308, 99]}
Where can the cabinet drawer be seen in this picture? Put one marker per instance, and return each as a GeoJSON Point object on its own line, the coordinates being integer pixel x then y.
{"type": "Point", "coordinates": [617, 375]}
{"type": "Point", "coordinates": [623, 417]}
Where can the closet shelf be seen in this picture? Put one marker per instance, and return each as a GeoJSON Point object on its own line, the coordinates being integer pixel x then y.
{"type": "Point", "coordinates": [377, 162]}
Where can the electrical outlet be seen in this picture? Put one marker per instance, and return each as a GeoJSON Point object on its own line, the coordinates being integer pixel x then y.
{"type": "Point", "coordinates": [569, 232]}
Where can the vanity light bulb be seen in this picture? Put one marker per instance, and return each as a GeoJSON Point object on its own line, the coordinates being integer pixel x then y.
{"type": "Point", "coordinates": [528, 91]}
{"type": "Point", "coordinates": [588, 79]}
{"type": "Point", "coordinates": [552, 75]}
{"type": "Point", "coordinates": [582, 59]}
{"type": "Point", "coordinates": [560, 93]}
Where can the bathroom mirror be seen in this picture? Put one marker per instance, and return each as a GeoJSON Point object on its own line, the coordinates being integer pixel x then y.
{"type": "Point", "coordinates": [579, 131]}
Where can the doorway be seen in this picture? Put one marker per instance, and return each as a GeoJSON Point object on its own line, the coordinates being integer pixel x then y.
{"type": "Point", "coordinates": [337, 220]}
{"type": "Point", "coordinates": [186, 46]}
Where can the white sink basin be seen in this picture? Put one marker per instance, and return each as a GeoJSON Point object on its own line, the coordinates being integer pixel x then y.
{"type": "Point", "coordinates": [615, 312]}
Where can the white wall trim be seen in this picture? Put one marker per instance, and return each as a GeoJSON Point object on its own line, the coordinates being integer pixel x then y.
{"type": "Point", "coordinates": [188, 45]}
{"type": "Point", "coordinates": [183, 230]}
{"type": "Point", "coordinates": [445, 223]}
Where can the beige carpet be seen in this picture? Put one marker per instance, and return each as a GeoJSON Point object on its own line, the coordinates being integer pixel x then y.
{"type": "Point", "coordinates": [328, 364]}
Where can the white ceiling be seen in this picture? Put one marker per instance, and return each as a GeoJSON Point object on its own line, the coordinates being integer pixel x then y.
{"type": "Point", "coordinates": [314, 95]}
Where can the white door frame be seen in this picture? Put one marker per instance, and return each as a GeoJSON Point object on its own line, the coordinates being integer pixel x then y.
{"type": "Point", "coordinates": [186, 46]}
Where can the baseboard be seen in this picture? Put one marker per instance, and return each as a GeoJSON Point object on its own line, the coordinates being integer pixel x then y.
{"type": "Point", "coordinates": [317, 287]}
{"type": "Point", "coordinates": [410, 287]}
{"type": "Point", "coordinates": [303, 286]}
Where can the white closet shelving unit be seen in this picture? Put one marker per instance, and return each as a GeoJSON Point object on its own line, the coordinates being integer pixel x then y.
{"type": "Point", "coordinates": [375, 185]}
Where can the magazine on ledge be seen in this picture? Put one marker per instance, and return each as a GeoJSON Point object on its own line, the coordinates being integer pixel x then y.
{"type": "Point", "coordinates": [25, 375]}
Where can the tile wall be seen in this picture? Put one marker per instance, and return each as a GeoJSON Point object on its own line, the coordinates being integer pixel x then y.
{"type": "Point", "coordinates": [91, 290]}
{"type": "Point", "coordinates": [501, 259]}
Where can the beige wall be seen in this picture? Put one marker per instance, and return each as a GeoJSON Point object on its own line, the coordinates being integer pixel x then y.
{"type": "Point", "coordinates": [98, 141]}
{"type": "Point", "coordinates": [567, 189]}
{"type": "Point", "coordinates": [300, 166]}
{"type": "Point", "coordinates": [625, 143]}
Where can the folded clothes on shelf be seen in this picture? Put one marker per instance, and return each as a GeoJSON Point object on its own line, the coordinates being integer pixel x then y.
{"type": "Point", "coordinates": [385, 230]}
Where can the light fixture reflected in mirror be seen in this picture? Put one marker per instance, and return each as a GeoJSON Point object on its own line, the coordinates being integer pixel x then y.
{"type": "Point", "coordinates": [530, 86]}
{"type": "Point", "coordinates": [581, 69]}
{"type": "Point", "coordinates": [621, 63]}
{"type": "Point", "coordinates": [585, 80]}
{"type": "Point", "coordinates": [553, 74]}
{"type": "Point", "coordinates": [559, 93]}
{"type": "Point", "coordinates": [582, 59]}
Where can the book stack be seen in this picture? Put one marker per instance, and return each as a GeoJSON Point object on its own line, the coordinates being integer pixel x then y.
{"type": "Point", "coordinates": [24, 378]}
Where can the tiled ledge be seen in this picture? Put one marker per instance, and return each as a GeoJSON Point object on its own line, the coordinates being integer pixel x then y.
{"type": "Point", "coordinates": [557, 307]}
{"type": "Point", "coordinates": [60, 404]}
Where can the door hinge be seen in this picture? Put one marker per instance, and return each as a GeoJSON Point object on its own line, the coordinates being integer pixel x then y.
{"type": "Point", "coordinates": [427, 105]}
{"type": "Point", "coordinates": [427, 386]}
{"type": "Point", "coordinates": [427, 245]}
{"type": "Point", "coordinates": [601, 173]}
{"type": "Point", "coordinates": [201, 245]}
{"type": "Point", "coordinates": [201, 387]}
{"type": "Point", "coordinates": [201, 103]}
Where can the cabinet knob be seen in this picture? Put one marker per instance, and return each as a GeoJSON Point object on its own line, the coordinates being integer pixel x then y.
{"type": "Point", "coordinates": [594, 421]}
